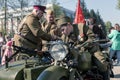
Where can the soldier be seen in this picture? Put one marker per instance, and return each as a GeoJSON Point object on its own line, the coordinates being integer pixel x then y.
{"type": "Point", "coordinates": [98, 57]}
{"type": "Point", "coordinates": [96, 29]}
{"type": "Point", "coordinates": [65, 29]}
{"type": "Point", "coordinates": [65, 32]}
{"type": "Point", "coordinates": [49, 26]}
{"type": "Point", "coordinates": [30, 33]}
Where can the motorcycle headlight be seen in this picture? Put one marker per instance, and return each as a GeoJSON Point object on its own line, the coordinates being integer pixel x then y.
{"type": "Point", "coordinates": [58, 51]}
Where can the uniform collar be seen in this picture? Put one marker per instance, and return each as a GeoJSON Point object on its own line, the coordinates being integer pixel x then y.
{"type": "Point", "coordinates": [34, 16]}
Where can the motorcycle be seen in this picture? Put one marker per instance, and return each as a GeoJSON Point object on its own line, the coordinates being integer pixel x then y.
{"type": "Point", "coordinates": [60, 64]}
{"type": "Point", "coordinates": [65, 67]}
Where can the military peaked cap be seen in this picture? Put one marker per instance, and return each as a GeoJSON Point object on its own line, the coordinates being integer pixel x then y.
{"type": "Point", "coordinates": [39, 7]}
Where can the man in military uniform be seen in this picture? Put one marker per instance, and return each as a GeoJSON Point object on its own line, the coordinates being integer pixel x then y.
{"type": "Point", "coordinates": [65, 32]}
{"type": "Point", "coordinates": [30, 33]}
{"type": "Point", "coordinates": [49, 26]}
{"type": "Point", "coordinates": [65, 29]}
{"type": "Point", "coordinates": [96, 29]}
{"type": "Point", "coordinates": [86, 34]}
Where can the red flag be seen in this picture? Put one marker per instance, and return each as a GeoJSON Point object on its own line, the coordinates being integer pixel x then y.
{"type": "Point", "coordinates": [79, 17]}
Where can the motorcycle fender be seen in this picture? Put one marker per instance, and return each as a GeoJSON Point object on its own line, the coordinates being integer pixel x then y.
{"type": "Point", "coordinates": [54, 73]}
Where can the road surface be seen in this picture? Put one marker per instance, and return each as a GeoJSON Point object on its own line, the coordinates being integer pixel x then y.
{"type": "Point", "coordinates": [116, 70]}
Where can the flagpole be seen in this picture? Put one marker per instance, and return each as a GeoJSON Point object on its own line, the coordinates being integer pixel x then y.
{"type": "Point", "coordinates": [79, 20]}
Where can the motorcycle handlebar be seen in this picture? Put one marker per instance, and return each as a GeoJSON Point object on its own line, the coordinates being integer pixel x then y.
{"type": "Point", "coordinates": [24, 50]}
{"type": "Point", "coordinates": [29, 51]}
{"type": "Point", "coordinates": [94, 41]}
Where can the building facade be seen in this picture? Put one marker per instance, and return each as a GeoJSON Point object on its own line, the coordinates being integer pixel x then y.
{"type": "Point", "coordinates": [13, 18]}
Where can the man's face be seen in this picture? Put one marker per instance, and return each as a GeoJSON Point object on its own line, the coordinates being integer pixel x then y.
{"type": "Point", "coordinates": [39, 13]}
{"type": "Point", "coordinates": [117, 27]}
{"type": "Point", "coordinates": [66, 29]}
{"type": "Point", "coordinates": [50, 18]}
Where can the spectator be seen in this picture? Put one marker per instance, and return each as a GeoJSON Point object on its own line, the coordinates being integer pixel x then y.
{"type": "Point", "coordinates": [115, 38]}
{"type": "Point", "coordinates": [110, 29]}
{"type": "Point", "coordinates": [8, 52]}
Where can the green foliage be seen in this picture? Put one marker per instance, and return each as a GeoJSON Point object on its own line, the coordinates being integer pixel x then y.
{"type": "Point", "coordinates": [93, 14]}
{"type": "Point", "coordinates": [118, 4]}
{"type": "Point", "coordinates": [84, 9]}
{"type": "Point", "coordinates": [57, 9]}
{"type": "Point", "coordinates": [108, 25]}
{"type": "Point", "coordinates": [4, 32]}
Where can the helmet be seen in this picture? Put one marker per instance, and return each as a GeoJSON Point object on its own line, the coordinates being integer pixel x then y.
{"type": "Point", "coordinates": [63, 20]}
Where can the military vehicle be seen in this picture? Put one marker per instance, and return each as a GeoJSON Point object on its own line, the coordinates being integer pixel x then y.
{"type": "Point", "coordinates": [26, 69]}
{"type": "Point", "coordinates": [62, 67]}
{"type": "Point", "coordinates": [66, 67]}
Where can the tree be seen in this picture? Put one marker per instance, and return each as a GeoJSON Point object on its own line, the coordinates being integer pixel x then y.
{"type": "Point", "coordinates": [85, 10]}
{"type": "Point", "coordinates": [57, 9]}
{"type": "Point", "coordinates": [1, 4]}
{"type": "Point", "coordinates": [118, 4]}
{"type": "Point", "coordinates": [17, 6]}
{"type": "Point", "coordinates": [108, 25]}
{"type": "Point", "coordinates": [101, 22]}
{"type": "Point", "coordinates": [93, 14]}
{"type": "Point", "coordinates": [43, 2]}
{"type": "Point", "coordinates": [21, 4]}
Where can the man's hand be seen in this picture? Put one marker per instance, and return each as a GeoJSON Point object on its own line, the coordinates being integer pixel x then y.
{"type": "Point", "coordinates": [54, 37]}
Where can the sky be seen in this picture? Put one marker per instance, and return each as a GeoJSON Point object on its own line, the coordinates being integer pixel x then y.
{"type": "Point", "coordinates": [106, 8]}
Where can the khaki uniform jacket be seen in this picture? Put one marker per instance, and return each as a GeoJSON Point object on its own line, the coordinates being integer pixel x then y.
{"type": "Point", "coordinates": [88, 33]}
{"type": "Point", "coordinates": [30, 28]}
{"type": "Point", "coordinates": [49, 27]}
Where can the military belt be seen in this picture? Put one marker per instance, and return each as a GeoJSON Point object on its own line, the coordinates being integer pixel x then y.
{"type": "Point", "coordinates": [27, 39]}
